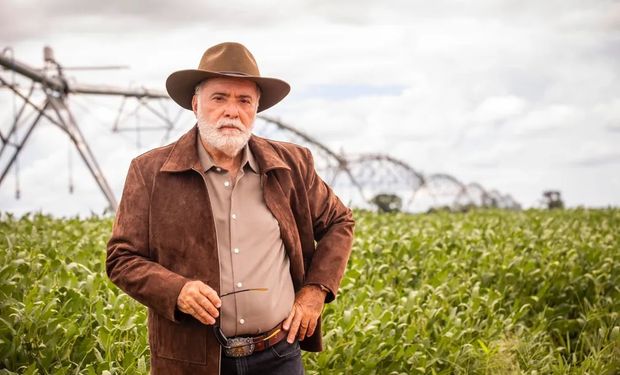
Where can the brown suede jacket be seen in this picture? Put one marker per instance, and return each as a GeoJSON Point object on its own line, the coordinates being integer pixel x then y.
{"type": "Point", "coordinates": [164, 236]}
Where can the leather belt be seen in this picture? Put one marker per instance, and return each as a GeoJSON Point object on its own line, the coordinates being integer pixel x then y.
{"type": "Point", "coordinates": [243, 346]}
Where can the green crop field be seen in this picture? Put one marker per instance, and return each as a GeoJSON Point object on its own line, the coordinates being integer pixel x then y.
{"type": "Point", "coordinates": [484, 292]}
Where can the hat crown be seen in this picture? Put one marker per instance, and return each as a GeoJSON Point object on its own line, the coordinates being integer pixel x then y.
{"type": "Point", "coordinates": [225, 60]}
{"type": "Point", "coordinates": [229, 57]}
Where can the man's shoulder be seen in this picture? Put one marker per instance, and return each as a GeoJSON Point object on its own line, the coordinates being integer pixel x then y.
{"type": "Point", "coordinates": [156, 153]}
{"type": "Point", "coordinates": [153, 159]}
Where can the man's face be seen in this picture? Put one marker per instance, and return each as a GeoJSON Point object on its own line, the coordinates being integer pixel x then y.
{"type": "Point", "coordinates": [226, 109]}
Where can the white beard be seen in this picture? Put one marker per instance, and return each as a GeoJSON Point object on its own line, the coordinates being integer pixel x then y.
{"type": "Point", "coordinates": [230, 145]}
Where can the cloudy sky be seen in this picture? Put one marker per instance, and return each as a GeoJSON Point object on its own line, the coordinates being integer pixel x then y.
{"type": "Point", "coordinates": [520, 96]}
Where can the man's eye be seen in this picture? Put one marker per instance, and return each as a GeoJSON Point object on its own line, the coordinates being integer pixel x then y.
{"type": "Point", "coordinates": [218, 98]}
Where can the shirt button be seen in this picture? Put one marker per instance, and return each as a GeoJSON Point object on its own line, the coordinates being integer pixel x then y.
{"type": "Point", "coordinates": [241, 321]}
{"type": "Point", "coordinates": [236, 250]}
{"type": "Point", "coordinates": [239, 285]}
{"type": "Point", "coordinates": [226, 183]}
{"type": "Point", "coordinates": [234, 216]}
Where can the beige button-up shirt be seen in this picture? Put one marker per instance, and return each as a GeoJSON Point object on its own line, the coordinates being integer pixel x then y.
{"type": "Point", "coordinates": [250, 248]}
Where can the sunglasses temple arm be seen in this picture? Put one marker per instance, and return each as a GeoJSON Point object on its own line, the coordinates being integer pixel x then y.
{"type": "Point", "coordinates": [244, 290]}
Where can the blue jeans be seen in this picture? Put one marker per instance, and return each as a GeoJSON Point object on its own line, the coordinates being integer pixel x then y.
{"type": "Point", "coordinates": [281, 359]}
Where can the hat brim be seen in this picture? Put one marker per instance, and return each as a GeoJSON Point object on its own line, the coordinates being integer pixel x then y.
{"type": "Point", "coordinates": [181, 85]}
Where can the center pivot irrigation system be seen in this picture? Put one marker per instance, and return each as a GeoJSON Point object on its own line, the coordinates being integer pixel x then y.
{"type": "Point", "coordinates": [43, 94]}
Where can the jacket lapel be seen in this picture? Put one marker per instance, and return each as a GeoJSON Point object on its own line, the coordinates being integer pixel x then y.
{"type": "Point", "coordinates": [278, 202]}
{"type": "Point", "coordinates": [184, 154]}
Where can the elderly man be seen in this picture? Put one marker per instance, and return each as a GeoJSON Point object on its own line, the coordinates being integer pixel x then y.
{"type": "Point", "coordinates": [232, 241]}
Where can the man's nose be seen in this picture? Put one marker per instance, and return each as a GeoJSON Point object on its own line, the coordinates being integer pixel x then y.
{"type": "Point", "coordinates": [231, 109]}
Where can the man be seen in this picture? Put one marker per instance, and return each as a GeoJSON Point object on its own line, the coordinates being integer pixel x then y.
{"type": "Point", "coordinates": [232, 241]}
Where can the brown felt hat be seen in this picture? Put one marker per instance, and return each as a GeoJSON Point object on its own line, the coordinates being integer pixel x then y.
{"type": "Point", "coordinates": [225, 60]}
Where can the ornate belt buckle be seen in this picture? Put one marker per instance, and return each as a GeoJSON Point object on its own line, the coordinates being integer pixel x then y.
{"type": "Point", "coordinates": [239, 347]}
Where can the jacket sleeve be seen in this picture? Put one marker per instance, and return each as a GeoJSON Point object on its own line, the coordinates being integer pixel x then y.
{"type": "Point", "coordinates": [128, 262]}
{"type": "Point", "coordinates": [333, 226]}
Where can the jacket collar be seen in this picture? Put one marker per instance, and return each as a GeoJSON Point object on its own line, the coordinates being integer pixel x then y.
{"type": "Point", "coordinates": [184, 154]}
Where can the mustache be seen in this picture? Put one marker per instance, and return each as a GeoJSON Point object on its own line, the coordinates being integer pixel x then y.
{"type": "Point", "coordinates": [235, 123]}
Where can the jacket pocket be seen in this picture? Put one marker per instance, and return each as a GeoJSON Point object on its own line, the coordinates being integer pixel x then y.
{"type": "Point", "coordinates": [185, 341]}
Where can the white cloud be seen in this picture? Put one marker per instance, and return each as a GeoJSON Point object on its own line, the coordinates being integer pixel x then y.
{"type": "Point", "coordinates": [495, 109]}
{"type": "Point", "coordinates": [555, 118]}
{"type": "Point", "coordinates": [518, 96]}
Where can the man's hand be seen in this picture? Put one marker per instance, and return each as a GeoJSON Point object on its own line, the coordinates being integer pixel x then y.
{"type": "Point", "coordinates": [306, 310]}
{"type": "Point", "coordinates": [200, 301]}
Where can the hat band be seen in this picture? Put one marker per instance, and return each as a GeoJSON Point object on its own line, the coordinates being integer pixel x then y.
{"type": "Point", "coordinates": [226, 72]}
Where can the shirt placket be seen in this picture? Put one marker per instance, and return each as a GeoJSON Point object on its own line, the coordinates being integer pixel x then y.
{"type": "Point", "coordinates": [228, 284]}
{"type": "Point", "coordinates": [236, 252]}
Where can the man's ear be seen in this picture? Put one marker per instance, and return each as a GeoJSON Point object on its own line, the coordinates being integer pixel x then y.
{"type": "Point", "coordinates": [195, 104]}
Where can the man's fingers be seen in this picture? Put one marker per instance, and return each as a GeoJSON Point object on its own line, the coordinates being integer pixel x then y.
{"type": "Point", "coordinates": [201, 314]}
{"type": "Point", "coordinates": [303, 327]}
{"type": "Point", "coordinates": [287, 323]}
{"type": "Point", "coordinates": [190, 311]}
{"type": "Point", "coordinates": [292, 333]}
{"type": "Point", "coordinates": [311, 328]}
{"type": "Point", "coordinates": [207, 305]}
{"type": "Point", "coordinates": [208, 292]}
{"type": "Point", "coordinates": [199, 300]}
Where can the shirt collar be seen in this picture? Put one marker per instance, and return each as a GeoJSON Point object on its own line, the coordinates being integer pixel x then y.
{"type": "Point", "coordinates": [207, 161]}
